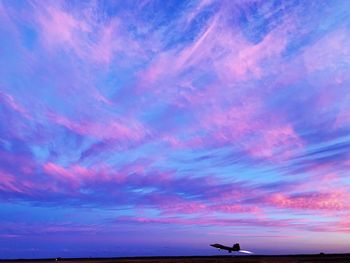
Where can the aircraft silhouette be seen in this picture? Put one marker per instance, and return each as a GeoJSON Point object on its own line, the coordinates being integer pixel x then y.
{"type": "Point", "coordinates": [236, 247]}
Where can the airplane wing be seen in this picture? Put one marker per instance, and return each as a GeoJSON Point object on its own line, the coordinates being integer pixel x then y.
{"type": "Point", "coordinates": [219, 246]}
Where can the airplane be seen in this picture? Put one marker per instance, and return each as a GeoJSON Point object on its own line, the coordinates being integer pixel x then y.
{"type": "Point", "coordinates": [236, 247]}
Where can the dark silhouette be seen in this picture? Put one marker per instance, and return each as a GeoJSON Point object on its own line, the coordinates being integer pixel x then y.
{"type": "Point", "coordinates": [235, 247]}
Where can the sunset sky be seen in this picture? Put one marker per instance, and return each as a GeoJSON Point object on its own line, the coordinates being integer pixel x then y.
{"type": "Point", "coordinates": [132, 128]}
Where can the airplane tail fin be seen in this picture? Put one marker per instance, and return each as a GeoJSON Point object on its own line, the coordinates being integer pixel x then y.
{"type": "Point", "coordinates": [236, 247]}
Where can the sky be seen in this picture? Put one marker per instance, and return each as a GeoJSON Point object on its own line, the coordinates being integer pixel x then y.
{"type": "Point", "coordinates": [132, 128]}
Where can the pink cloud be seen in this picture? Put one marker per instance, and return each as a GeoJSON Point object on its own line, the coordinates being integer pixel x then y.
{"type": "Point", "coordinates": [105, 47]}
{"type": "Point", "coordinates": [210, 221]}
{"type": "Point", "coordinates": [73, 175]}
{"type": "Point", "coordinates": [249, 59]}
{"type": "Point", "coordinates": [245, 125]}
{"type": "Point", "coordinates": [10, 101]}
{"type": "Point", "coordinates": [313, 201]}
{"type": "Point", "coordinates": [196, 10]}
{"type": "Point", "coordinates": [328, 53]}
{"type": "Point", "coordinates": [180, 206]}
{"type": "Point", "coordinates": [276, 143]}
{"type": "Point", "coordinates": [59, 27]}
{"type": "Point", "coordinates": [113, 39]}
{"type": "Point", "coordinates": [234, 208]}
{"type": "Point", "coordinates": [171, 64]}
{"type": "Point", "coordinates": [157, 190]}
{"type": "Point", "coordinates": [344, 224]}
{"type": "Point", "coordinates": [8, 183]}
{"type": "Point", "coordinates": [250, 128]}
{"type": "Point", "coordinates": [232, 56]}
{"type": "Point", "coordinates": [90, 39]}
{"type": "Point", "coordinates": [103, 129]}
{"type": "Point", "coordinates": [341, 225]}
{"type": "Point", "coordinates": [76, 177]}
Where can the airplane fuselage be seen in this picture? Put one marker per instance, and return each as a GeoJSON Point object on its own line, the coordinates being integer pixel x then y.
{"type": "Point", "coordinates": [229, 249]}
